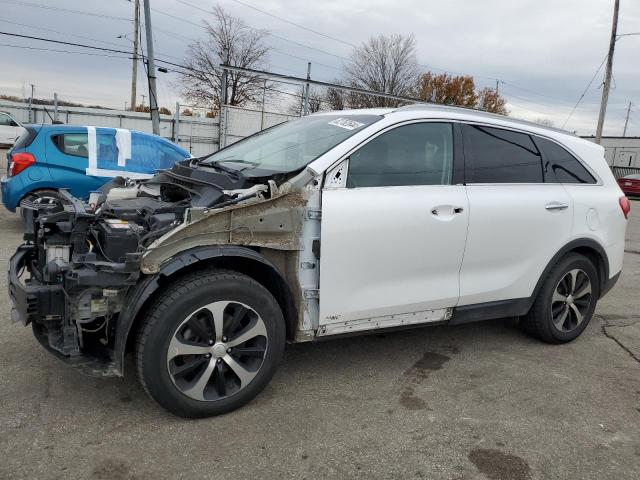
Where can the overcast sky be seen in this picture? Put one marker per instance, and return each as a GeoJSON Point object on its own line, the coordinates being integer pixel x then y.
{"type": "Point", "coordinates": [543, 51]}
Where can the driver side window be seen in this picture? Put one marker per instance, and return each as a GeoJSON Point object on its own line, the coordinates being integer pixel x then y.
{"type": "Point", "coordinates": [414, 154]}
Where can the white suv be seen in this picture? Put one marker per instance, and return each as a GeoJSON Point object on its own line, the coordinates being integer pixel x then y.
{"type": "Point", "coordinates": [336, 223]}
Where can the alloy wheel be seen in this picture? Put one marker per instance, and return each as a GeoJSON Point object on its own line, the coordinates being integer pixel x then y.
{"type": "Point", "coordinates": [217, 350]}
{"type": "Point", "coordinates": [571, 300]}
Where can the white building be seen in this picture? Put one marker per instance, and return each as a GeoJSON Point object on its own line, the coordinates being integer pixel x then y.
{"type": "Point", "coordinates": [621, 151]}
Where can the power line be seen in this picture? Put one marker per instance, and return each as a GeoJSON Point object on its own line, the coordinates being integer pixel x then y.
{"type": "Point", "coordinates": [67, 10]}
{"type": "Point", "coordinates": [252, 28]}
{"type": "Point", "coordinates": [538, 102]}
{"type": "Point", "coordinates": [73, 44]}
{"type": "Point", "coordinates": [278, 77]}
{"type": "Point", "coordinates": [30, 37]}
{"type": "Point", "coordinates": [534, 93]}
{"type": "Point", "coordinates": [585, 90]}
{"type": "Point", "coordinates": [26, 47]}
{"type": "Point", "coordinates": [426, 66]}
{"type": "Point", "coordinates": [35, 27]}
{"type": "Point", "coordinates": [291, 23]}
{"type": "Point", "coordinates": [332, 37]}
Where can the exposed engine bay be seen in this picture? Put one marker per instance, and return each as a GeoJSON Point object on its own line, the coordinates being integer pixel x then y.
{"type": "Point", "coordinates": [85, 260]}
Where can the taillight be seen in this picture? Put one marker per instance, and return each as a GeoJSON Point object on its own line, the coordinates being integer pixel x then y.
{"type": "Point", "coordinates": [625, 205]}
{"type": "Point", "coordinates": [20, 161]}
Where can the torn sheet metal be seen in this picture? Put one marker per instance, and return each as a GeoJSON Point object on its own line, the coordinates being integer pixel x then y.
{"type": "Point", "coordinates": [274, 223]}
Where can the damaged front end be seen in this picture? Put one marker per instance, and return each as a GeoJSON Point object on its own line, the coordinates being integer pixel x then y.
{"type": "Point", "coordinates": [83, 266]}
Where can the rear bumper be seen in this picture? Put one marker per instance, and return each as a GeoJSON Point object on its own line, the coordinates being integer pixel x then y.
{"type": "Point", "coordinates": [9, 196]}
{"type": "Point", "coordinates": [32, 301]}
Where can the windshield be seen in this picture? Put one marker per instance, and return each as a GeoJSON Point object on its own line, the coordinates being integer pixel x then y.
{"type": "Point", "coordinates": [292, 145]}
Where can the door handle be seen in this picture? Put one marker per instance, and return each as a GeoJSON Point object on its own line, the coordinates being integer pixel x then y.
{"type": "Point", "coordinates": [556, 206]}
{"type": "Point", "coordinates": [454, 210]}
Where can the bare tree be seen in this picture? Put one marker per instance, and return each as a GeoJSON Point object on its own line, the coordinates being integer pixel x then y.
{"type": "Point", "coordinates": [228, 40]}
{"type": "Point", "coordinates": [385, 64]}
{"type": "Point", "coordinates": [336, 99]}
{"type": "Point", "coordinates": [316, 102]}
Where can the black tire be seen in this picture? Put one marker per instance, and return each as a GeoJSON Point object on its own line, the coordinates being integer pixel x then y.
{"type": "Point", "coordinates": [165, 321]}
{"type": "Point", "coordinates": [539, 322]}
{"type": "Point", "coordinates": [43, 194]}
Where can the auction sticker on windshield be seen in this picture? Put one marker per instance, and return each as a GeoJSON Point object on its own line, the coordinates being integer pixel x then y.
{"type": "Point", "coordinates": [346, 123]}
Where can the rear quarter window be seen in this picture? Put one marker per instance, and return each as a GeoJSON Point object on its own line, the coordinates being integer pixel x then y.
{"type": "Point", "coordinates": [26, 138]}
{"type": "Point", "coordinates": [565, 167]}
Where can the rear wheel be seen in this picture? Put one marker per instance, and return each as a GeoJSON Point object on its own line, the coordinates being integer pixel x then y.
{"type": "Point", "coordinates": [565, 303]}
{"type": "Point", "coordinates": [210, 344]}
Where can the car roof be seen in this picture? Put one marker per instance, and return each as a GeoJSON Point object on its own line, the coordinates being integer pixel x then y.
{"type": "Point", "coordinates": [433, 110]}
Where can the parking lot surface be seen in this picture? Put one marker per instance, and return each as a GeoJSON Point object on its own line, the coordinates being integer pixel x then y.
{"type": "Point", "coordinates": [477, 401]}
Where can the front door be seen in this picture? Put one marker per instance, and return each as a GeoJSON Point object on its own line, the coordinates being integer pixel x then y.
{"type": "Point", "coordinates": [393, 237]}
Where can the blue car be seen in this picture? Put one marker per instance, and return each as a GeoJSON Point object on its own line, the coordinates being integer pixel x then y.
{"type": "Point", "coordinates": [46, 158]}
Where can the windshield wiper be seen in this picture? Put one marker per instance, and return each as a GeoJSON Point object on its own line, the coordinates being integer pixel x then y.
{"type": "Point", "coordinates": [217, 165]}
{"type": "Point", "coordinates": [234, 160]}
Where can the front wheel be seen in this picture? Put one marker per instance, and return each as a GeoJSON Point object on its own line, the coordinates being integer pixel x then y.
{"type": "Point", "coordinates": [565, 303]}
{"type": "Point", "coordinates": [210, 344]}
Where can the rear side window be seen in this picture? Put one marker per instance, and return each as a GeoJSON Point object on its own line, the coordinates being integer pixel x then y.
{"type": "Point", "coordinates": [415, 154]}
{"type": "Point", "coordinates": [494, 155]}
{"type": "Point", "coordinates": [74, 144]}
{"type": "Point", "coordinates": [566, 167]}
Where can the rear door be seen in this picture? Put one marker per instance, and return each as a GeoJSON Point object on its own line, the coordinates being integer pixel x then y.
{"type": "Point", "coordinates": [392, 239]}
{"type": "Point", "coordinates": [517, 220]}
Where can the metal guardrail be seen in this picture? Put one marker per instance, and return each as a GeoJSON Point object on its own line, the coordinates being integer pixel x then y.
{"type": "Point", "coordinates": [620, 172]}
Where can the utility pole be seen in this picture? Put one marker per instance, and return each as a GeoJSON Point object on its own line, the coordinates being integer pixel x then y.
{"type": "Point", "coordinates": [264, 94]}
{"type": "Point", "coordinates": [497, 87]}
{"type": "Point", "coordinates": [33, 88]}
{"type": "Point", "coordinates": [143, 97]}
{"type": "Point", "coordinates": [626, 121]}
{"type": "Point", "coordinates": [151, 71]}
{"type": "Point", "coordinates": [176, 124]}
{"type": "Point", "coordinates": [55, 107]}
{"type": "Point", "coordinates": [608, 71]}
{"type": "Point", "coordinates": [136, 47]}
{"type": "Point", "coordinates": [306, 91]}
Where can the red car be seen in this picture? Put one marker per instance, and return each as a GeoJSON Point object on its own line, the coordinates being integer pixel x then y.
{"type": "Point", "coordinates": [630, 185]}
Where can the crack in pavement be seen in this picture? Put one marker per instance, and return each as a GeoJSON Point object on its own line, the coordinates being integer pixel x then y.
{"type": "Point", "coordinates": [620, 344]}
{"type": "Point", "coordinates": [608, 321]}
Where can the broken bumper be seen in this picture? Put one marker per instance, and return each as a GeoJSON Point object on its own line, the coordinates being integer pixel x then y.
{"type": "Point", "coordinates": [32, 300]}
